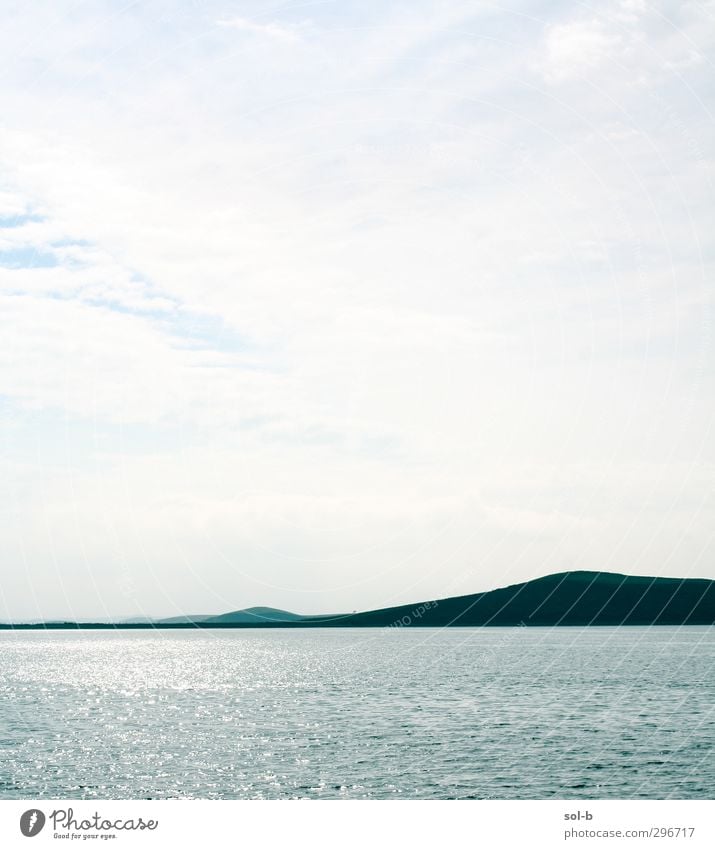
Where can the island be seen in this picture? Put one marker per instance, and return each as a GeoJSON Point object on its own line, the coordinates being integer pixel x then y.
{"type": "Point", "coordinates": [576, 599]}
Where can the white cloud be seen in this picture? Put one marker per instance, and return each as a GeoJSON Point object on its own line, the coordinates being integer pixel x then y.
{"type": "Point", "coordinates": [578, 48]}
{"type": "Point", "coordinates": [269, 30]}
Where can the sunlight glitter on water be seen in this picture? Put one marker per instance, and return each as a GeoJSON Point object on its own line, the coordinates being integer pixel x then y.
{"type": "Point", "coordinates": [412, 713]}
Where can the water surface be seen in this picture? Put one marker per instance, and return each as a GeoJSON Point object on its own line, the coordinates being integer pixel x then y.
{"type": "Point", "coordinates": [358, 713]}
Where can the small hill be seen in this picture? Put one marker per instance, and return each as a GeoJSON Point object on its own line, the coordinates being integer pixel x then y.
{"type": "Point", "coordinates": [254, 615]}
{"type": "Point", "coordinates": [179, 620]}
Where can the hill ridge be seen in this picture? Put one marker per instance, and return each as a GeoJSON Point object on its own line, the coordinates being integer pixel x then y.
{"type": "Point", "coordinates": [570, 598]}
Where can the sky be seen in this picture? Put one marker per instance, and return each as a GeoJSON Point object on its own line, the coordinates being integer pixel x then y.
{"type": "Point", "coordinates": [337, 305]}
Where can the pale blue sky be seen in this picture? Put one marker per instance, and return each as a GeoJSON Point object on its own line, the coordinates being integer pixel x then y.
{"type": "Point", "coordinates": [337, 305]}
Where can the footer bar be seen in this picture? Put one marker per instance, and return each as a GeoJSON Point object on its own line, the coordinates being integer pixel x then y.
{"type": "Point", "coordinates": [346, 824]}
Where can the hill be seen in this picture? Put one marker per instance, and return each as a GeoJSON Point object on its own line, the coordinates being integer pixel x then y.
{"type": "Point", "coordinates": [178, 620]}
{"type": "Point", "coordinates": [566, 598]}
{"type": "Point", "coordinates": [254, 616]}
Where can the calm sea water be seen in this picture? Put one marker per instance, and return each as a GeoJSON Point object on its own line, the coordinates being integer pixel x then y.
{"type": "Point", "coordinates": [461, 713]}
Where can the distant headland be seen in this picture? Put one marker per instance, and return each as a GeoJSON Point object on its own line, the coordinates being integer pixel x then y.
{"type": "Point", "coordinates": [563, 599]}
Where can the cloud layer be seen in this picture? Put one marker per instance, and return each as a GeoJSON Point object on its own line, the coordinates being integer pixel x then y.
{"type": "Point", "coordinates": [338, 306]}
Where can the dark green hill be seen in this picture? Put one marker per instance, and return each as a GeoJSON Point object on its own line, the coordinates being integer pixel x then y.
{"type": "Point", "coordinates": [567, 598]}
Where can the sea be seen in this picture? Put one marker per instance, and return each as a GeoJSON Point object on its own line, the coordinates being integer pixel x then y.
{"type": "Point", "coordinates": [385, 713]}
